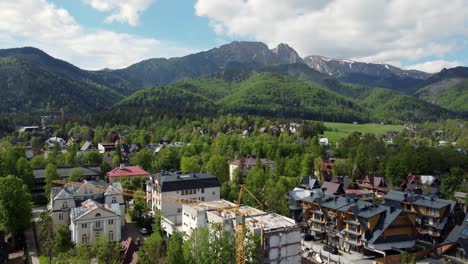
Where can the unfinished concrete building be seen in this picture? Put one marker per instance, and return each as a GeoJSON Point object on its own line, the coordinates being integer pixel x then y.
{"type": "Point", "coordinates": [282, 238]}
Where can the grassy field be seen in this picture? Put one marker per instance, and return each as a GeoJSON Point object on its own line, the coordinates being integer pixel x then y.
{"type": "Point", "coordinates": [341, 130]}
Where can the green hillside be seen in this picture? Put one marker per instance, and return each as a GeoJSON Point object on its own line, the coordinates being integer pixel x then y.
{"type": "Point", "coordinates": [31, 80]}
{"type": "Point", "coordinates": [274, 95]}
{"type": "Point", "coordinates": [451, 94]}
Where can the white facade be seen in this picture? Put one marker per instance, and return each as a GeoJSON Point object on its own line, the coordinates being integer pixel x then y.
{"type": "Point", "coordinates": [93, 220]}
{"type": "Point", "coordinates": [170, 210]}
{"type": "Point", "coordinates": [64, 199]}
{"type": "Point", "coordinates": [282, 237]}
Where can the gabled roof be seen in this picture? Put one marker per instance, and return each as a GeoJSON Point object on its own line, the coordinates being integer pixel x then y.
{"type": "Point", "coordinates": [459, 235]}
{"type": "Point", "coordinates": [90, 206]}
{"type": "Point", "coordinates": [331, 187]}
{"type": "Point", "coordinates": [127, 171]}
{"type": "Point", "coordinates": [115, 188]}
{"type": "Point", "coordinates": [61, 194]}
{"type": "Point", "coordinates": [86, 146]}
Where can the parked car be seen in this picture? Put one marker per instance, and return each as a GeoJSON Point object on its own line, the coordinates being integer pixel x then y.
{"type": "Point", "coordinates": [143, 231]}
{"type": "Point", "coordinates": [330, 249]}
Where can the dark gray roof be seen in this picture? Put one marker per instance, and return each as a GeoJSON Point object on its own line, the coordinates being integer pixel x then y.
{"type": "Point", "coordinates": [65, 172]}
{"type": "Point", "coordinates": [459, 235]}
{"type": "Point", "coordinates": [175, 182]}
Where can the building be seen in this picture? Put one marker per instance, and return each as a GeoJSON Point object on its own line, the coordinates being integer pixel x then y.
{"type": "Point", "coordinates": [38, 191]}
{"type": "Point", "coordinates": [104, 147]}
{"type": "Point", "coordinates": [374, 183]}
{"type": "Point", "coordinates": [125, 172]}
{"type": "Point", "coordinates": [64, 199]}
{"type": "Point", "coordinates": [352, 224]}
{"type": "Point", "coordinates": [195, 186]}
{"type": "Point", "coordinates": [246, 164]}
{"type": "Point", "coordinates": [421, 184]}
{"type": "Point", "coordinates": [365, 195]}
{"type": "Point", "coordinates": [434, 216]}
{"type": "Point", "coordinates": [309, 182]}
{"type": "Point", "coordinates": [455, 246]}
{"type": "Point", "coordinates": [92, 220]}
{"type": "Point", "coordinates": [282, 237]}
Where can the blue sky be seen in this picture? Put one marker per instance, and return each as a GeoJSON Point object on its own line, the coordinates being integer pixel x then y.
{"type": "Point", "coordinates": [94, 34]}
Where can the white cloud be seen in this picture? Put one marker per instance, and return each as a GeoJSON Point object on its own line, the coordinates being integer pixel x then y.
{"type": "Point", "coordinates": [41, 24]}
{"type": "Point", "coordinates": [366, 30]}
{"type": "Point", "coordinates": [124, 11]}
{"type": "Point", "coordinates": [434, 66]}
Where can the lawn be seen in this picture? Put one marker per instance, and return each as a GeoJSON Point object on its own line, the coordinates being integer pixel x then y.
{"type": "Point", "coordinates": [341, 130]}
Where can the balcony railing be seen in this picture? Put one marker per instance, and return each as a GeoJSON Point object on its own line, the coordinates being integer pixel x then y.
{"type": "Point", "coordinates": [351, 222]}
{"type": "Point", "coordinates": [316, 221]}
{"type": "Point", "coordinates": [352, 232]}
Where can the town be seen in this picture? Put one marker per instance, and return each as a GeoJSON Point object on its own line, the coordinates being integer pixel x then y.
{"type": "Point", "coordinates": [242, 190]}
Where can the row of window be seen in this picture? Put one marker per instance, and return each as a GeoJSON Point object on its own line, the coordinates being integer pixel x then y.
{"type": "Point", "coordinates": [191, 191]}
{"type": "Point", "coordinates": [84, 237]}
{"type": "Point", "coordinates": [98, 223]}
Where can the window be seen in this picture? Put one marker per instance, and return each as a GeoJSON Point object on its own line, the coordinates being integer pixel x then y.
{"type": "Point", "coordinates": [84, 239]}
{"type": "Point", "coordinates": [111, 236]}
{"type": "Point", "coordinates": [85, 225]}
{"type": "Point", "coordinates": [111, 221]}
{"type": "Point", "coordinates": [97, 235]}
{"type": "Point", "coordinates": [195, 191]}
{"type": "Point", "coordinates": [203, 190]}
{"type": "Point", "coordinates": [64, 205]}
{"type": "Point", "coordinates": [190, 191]}
{"type": "Point", "coordinates": [98, 215]}
{"type": "Point", "coordinates": [203, 199]}
{"type": "Point", "coordinates": [214, 193]}
{"type": "Point", "coordinates": [114, 200]}
{"type": "Point", "coordinates": [98, 223]}
{"type": "Point", "coordinates": [179, 210]}
{"type": "Point", "coordinates": [60, 216]}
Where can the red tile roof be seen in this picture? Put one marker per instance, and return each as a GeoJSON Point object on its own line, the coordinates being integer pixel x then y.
{"type": "Point", "coordinates": [127, 171]}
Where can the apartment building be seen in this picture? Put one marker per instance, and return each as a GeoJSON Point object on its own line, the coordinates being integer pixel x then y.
{"type": "Point", "coordinates": [194, 186]}
{"type": "Point", "coordinates": [246, 164]}
{"type": "Point", "coordinates": [352, 224]}
{"type": "Point", "coordinates": [434, 216]}
{"type": "Point", "coordinates": [282, 238]}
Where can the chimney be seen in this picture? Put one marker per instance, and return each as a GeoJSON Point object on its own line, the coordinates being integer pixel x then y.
{"type": "Point", "coordinates": [122, 165]}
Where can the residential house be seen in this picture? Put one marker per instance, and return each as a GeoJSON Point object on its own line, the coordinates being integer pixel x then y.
{"type": "Point", "coordinates": [455, 246]}
{"type": "Point", "coordinates": [281, 235]}
{"type": "Point", "coordinates": [162, 188]}
{"type": "Point", "coordinates": [65, 198]}
{"type": "Point", "coordinates": [126, 172]}
{"type": "Point", "coordinates": [105, 147]}
{"type": "Point", "coordinates": [92, 220]}
{"type": "Point", "coordinates": [38, 191]}
{"type": "Point", "coordinates": [246, 164]}
{"type": "Point", "coordinates": [421, 184]}
{"type": "Point", "coordinates": [374, 183]}
{"type": "Point", "coordinates": [434, 216]}
{"type": "Point", "coordinates": [345, 181]}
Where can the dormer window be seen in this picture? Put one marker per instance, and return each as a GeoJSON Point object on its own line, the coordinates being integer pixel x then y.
{"type": "Point", "coordinates": [114, 200]}
{"type": "Point", "coordinates": [98, 215]}
{"type": "Point", "coordinates": [64, 205]}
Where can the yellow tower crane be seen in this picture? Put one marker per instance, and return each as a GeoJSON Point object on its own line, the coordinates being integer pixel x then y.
{"type": "Point", "coordinates": [236, 210]}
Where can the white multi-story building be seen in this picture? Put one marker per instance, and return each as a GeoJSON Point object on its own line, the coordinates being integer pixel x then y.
{"type": "Point", "coordinates": [194, 186]}
{"type": "Point", "coordinates": [64, 199]}
{"type": "Point", "coordinates": [282, 237]}
{"type": "Point", "coordinates": [93, 220]}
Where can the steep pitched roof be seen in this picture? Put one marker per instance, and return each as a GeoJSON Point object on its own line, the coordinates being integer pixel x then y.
{"type": "Point", "coordinates": [331, 187]}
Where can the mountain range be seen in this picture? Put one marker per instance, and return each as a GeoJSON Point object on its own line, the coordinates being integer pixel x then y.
{"type": "Point", "coordinates": [33, 81]}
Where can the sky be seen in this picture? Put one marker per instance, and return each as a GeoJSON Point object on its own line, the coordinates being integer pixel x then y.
{"type": "Point", "coordinates": [426, 35]}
